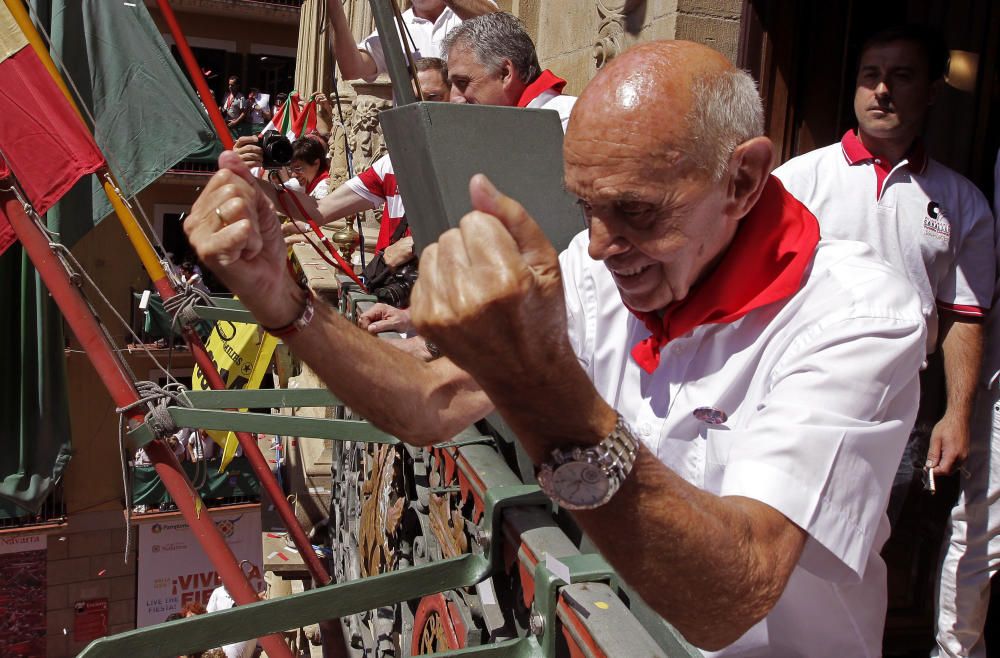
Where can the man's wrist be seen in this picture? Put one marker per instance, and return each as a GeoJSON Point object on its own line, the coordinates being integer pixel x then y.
{"type": "Point", "coordinates": [590, 421]}
{"type": "Point", "coordinates": [286, 308]}
{"type": "Point", "coordinates": [301, 321]}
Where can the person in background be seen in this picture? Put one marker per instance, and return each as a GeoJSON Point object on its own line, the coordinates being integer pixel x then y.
{"type": "Point", "coordinates": [279, 100]}
{"type": "Point", "coordinates": [235, 108]}
{"type": "Point", "coordinates": [257, 115]}
{"type": "Point", "coordinates": [310, 165]}
{"type": "Point", "coordinates": [879, 186]}
{"type": "Point", "coordinates": [192, 608]}
{"type": "Point", "coordinates": [200, 446]}
{"type": "Point", "coordinates": [221, 600]}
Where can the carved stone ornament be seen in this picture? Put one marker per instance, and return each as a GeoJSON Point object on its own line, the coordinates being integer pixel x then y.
{"type": "Point", "coordinates": [366, 136]}
{"type": "Point", "coordinates": [611, 33]}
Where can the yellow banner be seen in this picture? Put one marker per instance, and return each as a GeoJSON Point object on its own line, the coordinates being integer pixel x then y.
{"type": "Point", "coordinates": [242, 353]}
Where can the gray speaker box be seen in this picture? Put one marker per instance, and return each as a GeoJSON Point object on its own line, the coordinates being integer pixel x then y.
{"type": "Point", "coordinates": [437, 147]}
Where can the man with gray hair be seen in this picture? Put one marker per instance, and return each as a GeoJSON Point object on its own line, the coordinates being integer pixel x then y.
{"type": "Point", "coordinates": [492, 61]}
{"type": "Point", "coordinates": [717, 397]}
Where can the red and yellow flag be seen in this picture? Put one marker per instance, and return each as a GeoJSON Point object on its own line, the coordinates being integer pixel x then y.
{"type": "Point", "coordinates": [42, 140]}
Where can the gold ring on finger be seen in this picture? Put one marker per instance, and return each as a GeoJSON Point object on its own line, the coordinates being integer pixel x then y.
{"type": "Point", "coordinates": [222, 218]}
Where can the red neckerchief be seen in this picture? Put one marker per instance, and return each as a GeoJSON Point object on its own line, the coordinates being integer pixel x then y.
{"type": "Point", "coordinates": [546, 81]}
{"type": "Point", "coordinates": [322, 176]}
{"type": "Point", "coordinates": [765, 263]}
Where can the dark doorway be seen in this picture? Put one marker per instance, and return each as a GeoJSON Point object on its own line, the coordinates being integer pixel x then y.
{"type": "Point", "coordinates": [272, 74]}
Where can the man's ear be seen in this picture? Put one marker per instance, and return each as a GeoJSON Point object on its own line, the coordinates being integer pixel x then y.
{"type": "Point", "coordinates": [749, 169]}
{"type": "Point", "coordinates": [508, 74]}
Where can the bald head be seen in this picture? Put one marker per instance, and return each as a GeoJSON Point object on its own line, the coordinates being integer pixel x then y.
{"type": "Point", "coordinates": [688, 99]}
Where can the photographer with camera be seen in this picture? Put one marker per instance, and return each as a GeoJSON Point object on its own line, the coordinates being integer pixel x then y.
{"type": "Point", "coordinates": [374, 187]}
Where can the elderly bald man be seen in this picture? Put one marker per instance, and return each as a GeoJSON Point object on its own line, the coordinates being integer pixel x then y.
{"type": "Point", "coordinates": [719, 397]}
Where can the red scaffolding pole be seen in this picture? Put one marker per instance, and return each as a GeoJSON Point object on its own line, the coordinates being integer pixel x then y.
{"type": "Point", "coordinates": [165, 287]}
{"type": "Point", "coordinates": [123, 391]}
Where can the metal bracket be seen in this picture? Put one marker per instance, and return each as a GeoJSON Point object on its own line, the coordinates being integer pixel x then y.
{"type": "Point", "coordinates": [225, 308]}
{"type": "Point", "coordinates": [499, 498]}
{"type": "Point", "coordinates": [256, 398]}
{"type": "Point", "coordinates": [586, 567]}
{"type": "Point", "coordinates": [243, 421]}
{"type": "Point", "coordinates": [226, 314]}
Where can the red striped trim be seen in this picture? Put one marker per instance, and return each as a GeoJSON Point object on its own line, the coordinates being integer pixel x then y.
{"type": "Point", "coordinates": [963, 309]}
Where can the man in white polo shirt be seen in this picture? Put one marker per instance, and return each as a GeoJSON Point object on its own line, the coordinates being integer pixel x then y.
{"type": "Point", "coordinates": [878, 186]}
{"type": "Point", "coordinates": [932, 224]}
{"type": "Point", "coordinates": [427, 22]}
{"type": "Point", "coordinates": [727, 397]}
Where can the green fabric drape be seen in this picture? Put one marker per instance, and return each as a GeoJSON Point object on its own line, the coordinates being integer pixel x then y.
{"type": "Point", "coordinates": [238, 481]}
{"type": "Point", "coordinates": [148, 117]}
{"type": "Point", "coordinates": [34, 418]}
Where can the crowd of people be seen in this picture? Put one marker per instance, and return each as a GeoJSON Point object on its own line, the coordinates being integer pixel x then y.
{"type": "Point", "coordinates": [720, 376]}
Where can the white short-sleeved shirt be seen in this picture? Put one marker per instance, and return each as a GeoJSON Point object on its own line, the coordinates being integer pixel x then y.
{"type": "Point", "coordinates": [926, 220]}
{"type": "Point", "coordinates": [221, 600]}
{"type": "Point", "coordinates": [820, 391]}
{"type": "Point", "coordinates": [424, 36]}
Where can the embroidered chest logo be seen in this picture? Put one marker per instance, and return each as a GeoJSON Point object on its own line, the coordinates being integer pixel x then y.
{"type": "Point", "coordinates": [936, 225]}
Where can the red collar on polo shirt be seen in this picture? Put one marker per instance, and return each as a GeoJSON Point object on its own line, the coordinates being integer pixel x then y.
{"type": "Point", "coordinates": [765, 263]}
{"type": "Point", "coordinates": [322, 176]}
{"type": "Point", "coordinates": [546, 81]}
{"type": "Point", "coordinates": [857, 153]}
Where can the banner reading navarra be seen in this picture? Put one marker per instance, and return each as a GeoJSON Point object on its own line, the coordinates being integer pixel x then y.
{"type": "Point", "coordinates": [242, 353]}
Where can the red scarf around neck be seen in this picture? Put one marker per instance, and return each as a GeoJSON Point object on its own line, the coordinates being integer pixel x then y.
{"type": "Point", "coordinates": [320, 177]}
{"type": "Point", "coordinates": [544, 82]}
{"type": "Point", "coordinates": [764, 263]}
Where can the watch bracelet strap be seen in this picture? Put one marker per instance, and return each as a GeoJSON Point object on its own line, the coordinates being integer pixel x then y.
{"type": "Point", "coordinates": [300, 322]}
{"type": "Point", "coordinates": [621, 448]}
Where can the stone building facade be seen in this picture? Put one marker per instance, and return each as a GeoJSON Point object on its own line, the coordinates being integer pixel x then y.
{"type": "Point", "coordinates": [573, 38]}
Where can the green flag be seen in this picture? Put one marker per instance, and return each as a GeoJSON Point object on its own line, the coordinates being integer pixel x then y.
{"type": "Point", "coordinates": [34, 417]}
{"type": "Point", "coordinates": [147, 115]}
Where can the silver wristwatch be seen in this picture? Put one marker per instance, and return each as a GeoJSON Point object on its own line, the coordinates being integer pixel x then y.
{"type": "Point", "coordinates": [585, 477]}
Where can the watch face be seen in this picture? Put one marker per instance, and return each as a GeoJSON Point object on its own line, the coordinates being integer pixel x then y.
{"type": "Point", "coordinates": [581, 484]}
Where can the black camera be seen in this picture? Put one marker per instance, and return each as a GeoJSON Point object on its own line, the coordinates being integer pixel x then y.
{"type": "Point", "coordinates": [277, 149]}
{"type": "Point", "coordinates": [397, 286]}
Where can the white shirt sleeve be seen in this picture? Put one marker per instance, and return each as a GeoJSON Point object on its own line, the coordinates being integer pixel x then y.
{"type": "Point", "coordinates": [827, 439]}
{"type": "Point", "coordinates": [372, 44]}
{"type": "Point", "coordinates": [967, 288]}
{"type": "Point", "coordinates": [578, 289]}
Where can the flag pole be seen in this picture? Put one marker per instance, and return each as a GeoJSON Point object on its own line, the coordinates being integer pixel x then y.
{"type": "Point", "coordinates": [221, 128]}
{"type": "Point", "coordinates": [163, 284]}
{"type": "Point", "coordinates": [123, 392]}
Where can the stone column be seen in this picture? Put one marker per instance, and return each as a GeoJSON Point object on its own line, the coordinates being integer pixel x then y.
{"type": "Point", "coordinates": [314, 63]}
